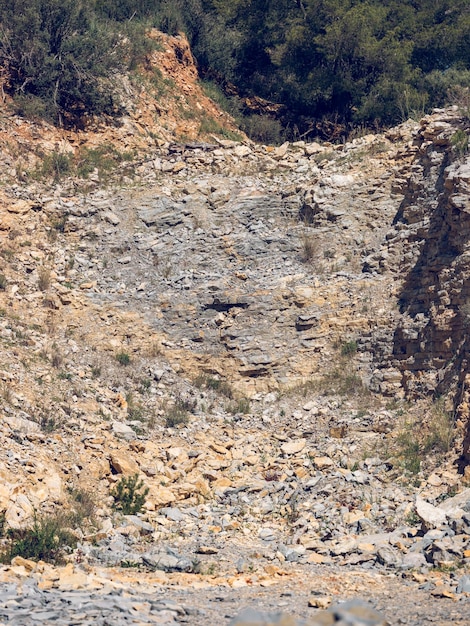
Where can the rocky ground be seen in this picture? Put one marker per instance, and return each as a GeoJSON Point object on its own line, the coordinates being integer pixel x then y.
{"type": "Point", "coordinates": [220, 318]}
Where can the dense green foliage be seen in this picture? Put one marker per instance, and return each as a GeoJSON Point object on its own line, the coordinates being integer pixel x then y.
{"type": "Point", "coordinates": [56, 58]}
{"type": "Point", "coordinates": [348, 61]}
{"type": "Point", "coordinates": [129, 495]}
{"type": "Point", "coordinates": [336, 62]}
{"type": "Point", "coordinates": [45, 540]}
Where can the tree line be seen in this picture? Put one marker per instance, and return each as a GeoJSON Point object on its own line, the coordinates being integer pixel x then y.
{"type": "Point", "coordinates": [343, 62]}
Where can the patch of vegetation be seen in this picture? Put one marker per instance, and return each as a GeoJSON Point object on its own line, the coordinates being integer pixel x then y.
{"type": "Point", "coordinates": [55, 165]}
{"type": "Point", "coordinates": [222, 387]}
{"type": "Point", "coordinates": [460, 142]}
{"type": "Point", "coordinates": [3, 282]}
{"type": "Point", "coordinates": [262, 128]}
{"type": "Point", "coordinates": [460, 97]}
{"type": "Point", "coordinates": [49, 423]}
{"type": "Point", "coordinates": [86, 161]}
{"type": "Point", "coordinates": [129, 495]}
{"type": "Point", "coordinates": [135, 411]}
{"type": "Point", "coordinates": [349, 348]}
{"type": "Point", "coordinates": [176, 415]}
{"type": "Point", "coordinates": [59, 59]}
{"type": "Point", "coordinates": [145, 385]}
{"type": "Point", "coordinates": [209, 126]}
{"type": "Point", "coordinates": [309, 248]}
{"type": "Point", "coordinates": [123, 358]}
{"type": "Point", "coordinates": [427, 438]}
{"type": "Point", "coordinates": [104, 159]}
{"type": "Point", "coordinates": [338, 381]}
{"type": "Point", "coordinates": [242, 405]}
{"type": "Point", "coordinates": [83, 506]}
{"type": "Point", "coordinates": [343, 382]}
{"type": "Point", "coordinates": [46, 540]}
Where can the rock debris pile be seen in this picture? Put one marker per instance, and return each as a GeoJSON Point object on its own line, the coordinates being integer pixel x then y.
{"type": "Point", "coordinates": [237, 326]}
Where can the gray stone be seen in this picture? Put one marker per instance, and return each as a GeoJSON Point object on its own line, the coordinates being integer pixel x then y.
{"type": "Point", "coordinates": [463, 584]}
{"type": "Point", "coordinates": [388, 556]}
{"type": "Point", "coordinates": [431, 516]}
{"type": "Point", "coordinates": [173, 514]}
{"type": "Point", "coordinates": [357, 613]}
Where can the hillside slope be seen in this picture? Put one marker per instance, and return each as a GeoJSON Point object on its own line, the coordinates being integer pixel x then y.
{"type": "Point", "coordinates": [242, 326]}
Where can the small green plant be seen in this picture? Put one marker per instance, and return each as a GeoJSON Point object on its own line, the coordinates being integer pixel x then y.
{"type": "Point", "coordinates": [103, 159]}
{"type": "Point", "coordinates": [409, 451]}
{"type": "Point", "coordinates": [412, 519]}
{"type": "Point", "coordinates": [424, 440]}
{"type": "Point", "coordinates": [440, 434]}
{"type": "Point", "coordinates": [7, 253]}
{"type": "Point", "coordinates": [130, 565]}
{"type": "Point", "coordinates": [123, 358]}
{"type": "Point", "coordinates": [145, 385]}
{"type": "Point", "coordinates": [129, 495]}
{"type": "Point", "coordinates": [209, 382]}
{"type": "Point", "coordinates": [460, 142]}
{"type": "Point", "coordinates": [349, 348]}
{"type": "Point", "coordinates": [55, 165]}
{"type": "Point", "coordinates": [49, 423]}
{"type": "Point", "coordinates": [3, 282]}
{"type": "Point", "coordinates": [45, 540]}
{"type": "Point", "coordinates": [64, 376]}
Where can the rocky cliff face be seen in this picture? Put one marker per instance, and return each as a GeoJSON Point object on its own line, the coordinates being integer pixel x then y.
{"type": "Point", "coordinates": [429, 242]}
{"type": "Point", "coordinates": [211, 315]}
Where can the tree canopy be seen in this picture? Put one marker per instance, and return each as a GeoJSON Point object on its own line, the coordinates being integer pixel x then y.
{"type": "Point", "coordinates": [369, 62]}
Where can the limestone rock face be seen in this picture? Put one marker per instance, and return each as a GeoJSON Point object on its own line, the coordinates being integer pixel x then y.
{"type": "Point", "coordinates": [430, 244]}
{"type": "Point", "coordinates": [215, 324]}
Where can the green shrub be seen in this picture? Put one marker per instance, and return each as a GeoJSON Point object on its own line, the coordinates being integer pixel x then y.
{"type": "Point", "coordinates": [3, 282]}
{"type": "Point", "coordinates": [263, 129]}
{"type": "Point", "coordinates": [46, 540]}
{"type": "Point", "coordinates": [209, 382]}
{"type": "Point", "coordinates": [129, 495]}
{"type": "Point", "coordinates": [123, 358]}
{"type": "Point", "coordinates": [424, 440]}
{"type": "Point", "coordinates": [55, 165]}
{"type": "Point", "coordinates": [104, 159]}
{"type": "Point", "coordinates": [441, 429]}
{"type": "Point", "coordinates": [459, 141]}
{"type": "Point", "coordinates": [59, 58]}
{"type": "Point", "coordinates": [349, 348]}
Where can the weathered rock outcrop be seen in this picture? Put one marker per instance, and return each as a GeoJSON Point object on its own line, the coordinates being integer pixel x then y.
{"type": "Point", "coordinates": [430, 238]}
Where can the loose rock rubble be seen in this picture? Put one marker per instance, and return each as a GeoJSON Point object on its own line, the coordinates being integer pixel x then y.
{"type": "Point", "coordinates": [216, 328]}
